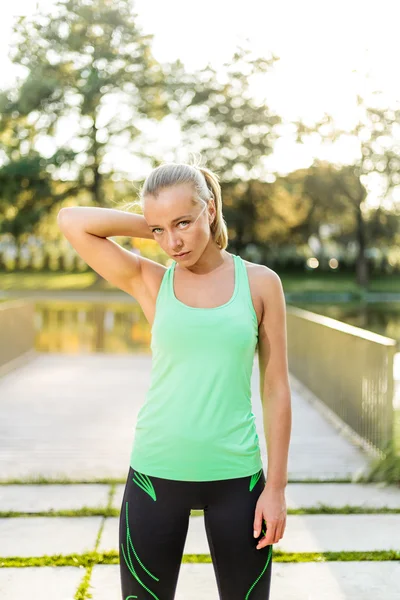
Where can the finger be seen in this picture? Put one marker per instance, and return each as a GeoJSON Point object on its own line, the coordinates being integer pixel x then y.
{"type": "Point", "coordinates": [279, 531]}
{"type": "Point", "coordinates": [257, 524]}
{"type": "Point", "coordinates": [269, 536]}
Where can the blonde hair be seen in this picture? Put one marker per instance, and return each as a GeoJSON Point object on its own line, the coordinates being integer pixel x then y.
{"type": "Point", "coordinates": [206, 186]}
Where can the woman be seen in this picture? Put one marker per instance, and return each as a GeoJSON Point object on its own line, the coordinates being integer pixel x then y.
{"type": "Point", "coordinates": [195, 444]}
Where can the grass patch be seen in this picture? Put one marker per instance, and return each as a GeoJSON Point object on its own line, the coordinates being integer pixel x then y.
{"type": "Point", "coordinates": [108, 511]}
{"type": "Point", "coordinates": [83, 593]}
{"type": "Point", "coordinates": [39, 480]}
{"type": "Point", "coordinates": [90, 559]}
{"type": "Point", "coordinates": [396, 431]}
{"type": "Point", "coordinates": [386, 469]}
{"type": "Point", "coordinates": [85, 511]}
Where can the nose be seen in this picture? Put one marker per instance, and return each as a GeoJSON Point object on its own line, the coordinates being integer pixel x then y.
{"type": "Point", "coordinates": [175, 243]}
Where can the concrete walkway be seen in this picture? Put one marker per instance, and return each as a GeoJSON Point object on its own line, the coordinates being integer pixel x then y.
{"type": "Point", "coordinates": [74, 417]}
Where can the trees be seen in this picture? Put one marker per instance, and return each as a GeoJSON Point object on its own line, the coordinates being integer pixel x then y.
{"type": "Point", "coordinates": [87, 65]}
{"type": "Point", "coordinates": [80, 61]}
{"type": "Point", "coordinates": [376, 131]}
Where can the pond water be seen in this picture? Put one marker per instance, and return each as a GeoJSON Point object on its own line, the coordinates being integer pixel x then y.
{"type": "Point", "coordinates": [121, 327]}
{"type": "Point", "coordinates": [112, 326]}
{"type": "Point", "coordinates": [85, 326]}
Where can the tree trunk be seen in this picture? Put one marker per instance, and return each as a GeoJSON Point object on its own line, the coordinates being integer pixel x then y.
{"type": "Point", "coordinates": [96, 187]}
{"type": "Point", "coordinates": [362, 272]}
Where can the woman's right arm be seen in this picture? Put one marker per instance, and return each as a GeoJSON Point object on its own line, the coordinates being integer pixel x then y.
{"type": "Point", "coordinates": [87, 229]}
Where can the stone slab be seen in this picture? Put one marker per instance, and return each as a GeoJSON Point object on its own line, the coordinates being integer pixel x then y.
{"type": "Point", "coordinates": [118, 495]}
{"type": "Point", "coordinates": [367, 580]}
{"type": "Point", "coordinates": [36, 536]}
{"type": "Point", "coordinates": [304, 533]}
{"type": "Point", "coordinates": [46, 583]}
{"type": "Point", "coordinates": [368, 495]}
{"type": "Point", "coordinates": [37, 498]}
{"type": "Point", "coordinates": [333, 533]}
{"type": "Point", "coordinates": [305, 495]}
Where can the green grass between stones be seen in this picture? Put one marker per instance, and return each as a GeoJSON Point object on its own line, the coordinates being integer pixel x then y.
{"type": "Point", "coordinates": [90, 559]}
{"type": "Point", "coordinates": [83, 593]}
{"type": "Point", "coordinates": [39, 480]}
{"type": "Point", "coordinates": [108, 511]}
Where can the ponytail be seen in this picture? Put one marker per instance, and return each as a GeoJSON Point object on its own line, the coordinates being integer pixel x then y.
{"type": "Point", "coordinates": [219, 228]}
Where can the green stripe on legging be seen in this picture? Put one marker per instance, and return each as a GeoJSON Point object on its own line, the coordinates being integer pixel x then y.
{"type": "Point", "coordinates": [254, 478]}
{"type": "Point", "coordinates": [144, 482]}
{"type": "Point", "coordinates": [128, 560]}
{"type": "Point", "coordinates": [262, 572]}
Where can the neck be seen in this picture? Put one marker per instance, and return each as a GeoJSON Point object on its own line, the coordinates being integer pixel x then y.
{"type": "Point", "coordinates": [213, 258]}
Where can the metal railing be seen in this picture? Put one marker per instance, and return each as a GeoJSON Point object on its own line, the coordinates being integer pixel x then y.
{"type": "Point", "coordinates": [348, 368]}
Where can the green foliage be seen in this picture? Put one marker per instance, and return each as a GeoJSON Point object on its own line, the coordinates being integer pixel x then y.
{"type": "Point", "coordinates": [220, 117]}
{"type": "Point", "coordinates": [386, 468]}
{"type": "Point", "coordinates": [90, 559]}
{"type": "Point", "coordinates": [78, 59]}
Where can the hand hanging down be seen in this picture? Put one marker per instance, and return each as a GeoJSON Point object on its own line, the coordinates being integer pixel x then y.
{"type": "Point", "coordinates": [271, 506]}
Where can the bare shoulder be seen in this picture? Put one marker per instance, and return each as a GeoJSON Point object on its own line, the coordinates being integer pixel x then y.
{"type": "Point", "coordinates": [265, 286]}
{"type": "Point", "coordinates": [263, 277]}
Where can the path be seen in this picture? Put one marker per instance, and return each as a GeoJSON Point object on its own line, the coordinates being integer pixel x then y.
{"type": "Point", "coordinates": [73, 417]}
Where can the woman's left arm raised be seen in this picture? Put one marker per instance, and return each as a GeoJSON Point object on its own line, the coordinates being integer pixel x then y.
{"type": "Point", "coordinates": [276, 405]}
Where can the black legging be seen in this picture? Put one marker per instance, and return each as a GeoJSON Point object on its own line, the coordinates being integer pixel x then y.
{"type": "Point", "coordinates": [153, 527]}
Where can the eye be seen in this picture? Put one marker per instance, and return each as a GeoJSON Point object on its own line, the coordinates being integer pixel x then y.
{"type": "Point", "coordinates": [158, 228]}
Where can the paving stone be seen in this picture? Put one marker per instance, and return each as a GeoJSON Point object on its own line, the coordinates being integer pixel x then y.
{"type": "Point", "coordinates": [367, 580]}
{"type": "Point", "coordinates": [369, 495]}
{"type": "Point", "coordinates": [304, 533]}
{"type": "Point", "coordinates": [36, 536]}
{"type": "Point", "coordinates": [117, 498]}
{"type": "Point", "coordinates": [44, 583]}
{"type": "Point", "coordinates": [339, 580]}
{"type": "Point", "coordinates": [304, 495]}
{"type": "Point", "coordinates": [36, 498]}
{"type": "Point", "coordinates": [322, 533]}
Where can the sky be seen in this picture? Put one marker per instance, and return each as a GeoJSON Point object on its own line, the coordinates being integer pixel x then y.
{"type": "Point", "coordinates": [329, 51]}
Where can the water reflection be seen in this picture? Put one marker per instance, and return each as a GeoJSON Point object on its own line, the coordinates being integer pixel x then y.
{"type": "Point", "coordinates": [85, 326]}
{"type": "Point", "coordinates": [77, 326]}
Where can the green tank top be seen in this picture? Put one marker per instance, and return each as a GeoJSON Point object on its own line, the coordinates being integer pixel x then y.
{"type": "Point", "coordinates": [196, 423]}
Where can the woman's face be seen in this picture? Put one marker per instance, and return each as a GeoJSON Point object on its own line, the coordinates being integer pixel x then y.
{"type": "Point", "coordinates": [178, 223]}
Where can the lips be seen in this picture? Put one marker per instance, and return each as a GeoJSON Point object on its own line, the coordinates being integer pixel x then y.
{"type": "Point", "coordinates": [181, 255]}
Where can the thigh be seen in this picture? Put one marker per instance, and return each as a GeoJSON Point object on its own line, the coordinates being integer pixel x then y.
{"type": "Point", "coordinates": [242, 572]}
{"type": "Point", "coordinates": [152, 532]}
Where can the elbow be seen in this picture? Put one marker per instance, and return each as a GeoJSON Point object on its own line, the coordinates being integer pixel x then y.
{"type": "Point", "coordinates": [63, 216]}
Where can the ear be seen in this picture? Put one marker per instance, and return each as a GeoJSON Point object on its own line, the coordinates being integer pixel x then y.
{"type": "Point", "coordinates": [211, 216]}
